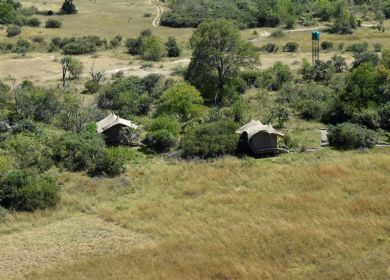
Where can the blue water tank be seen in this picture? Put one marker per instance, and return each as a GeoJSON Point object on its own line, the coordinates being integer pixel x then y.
{"type": "Point", "coordinates": [315, 35]}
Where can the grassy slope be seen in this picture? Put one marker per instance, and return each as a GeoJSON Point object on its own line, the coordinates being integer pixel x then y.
{"type": "Point", "coordinates": [322, 215]}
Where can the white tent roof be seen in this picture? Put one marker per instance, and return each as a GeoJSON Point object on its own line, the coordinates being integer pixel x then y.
{"type": "Point", "coordinates": [113, 120]}
{"type": "Point", "coordinates": [254, 127]}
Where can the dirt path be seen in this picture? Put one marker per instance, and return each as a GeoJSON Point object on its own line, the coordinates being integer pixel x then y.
{"type": "Point", "coordinates": [160, 12]}
{"type": "Point", "coordinates": [263, 34]}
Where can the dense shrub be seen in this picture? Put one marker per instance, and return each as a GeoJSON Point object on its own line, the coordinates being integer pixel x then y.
{"type": "Point", "coordinates": [133, 46]}
{"type": "Point", "coordinates": [79, 47]}
{"type": "Point", "coordinates": [160, 141]}
{"type": "Point", "coordinates": [172, 47]}
{"type": "Point", "coordinates": [291, 47]}
{"type": "Point", "coordinates": [165, 122]}
{"type": "Point", "coordinates": [21, 190]}
{"type": "Point", "coordinates": [326, 45]}
{"type": "Point", "coordinates": [351, 136]}
{"type": "Point", "coordinates": [384, 114]}
{"type": "Point", "coordinates": [25, 126]}
{"type": "Point", "coordinates": [365, 57]}
{"type": "Point", "coordinates": [68, 7]}
{"type": "Point", "coordinates": [13, 30]}
{"type": "Point", "coordinates": [152, 48]}
{"type": "Point", "coordinates": [210, 140]}
{"type": "Point", "coordinates": [80, 151]}
{"type": "Point", "coordinates": [357, 47]}
{"type": "Point", "coordinates": [279, 74]}
{"type": "Point", "coordinates": [37, 103]}
{"type": "Point", "coordinates": [181, 100]}
{"type": "Point", "coordinates": [368, 118]}
{"type": "Point", "coordinates": [30, 152]}
{"type": "Point", "coordinates": [34, 22]}
{"type": "Point", "coordinates": [53, 23]}
{"type": "Point", "coordinates": [270, 48]}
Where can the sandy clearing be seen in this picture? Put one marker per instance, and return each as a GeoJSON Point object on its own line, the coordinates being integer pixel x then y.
{"type": "Point", "coordinates": [62, 242]}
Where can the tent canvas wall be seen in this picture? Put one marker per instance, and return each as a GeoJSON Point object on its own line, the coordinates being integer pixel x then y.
{"type": "Point", "coordinates": [257, 138]}
{"type": "Point", "coordinates": [111, 126]}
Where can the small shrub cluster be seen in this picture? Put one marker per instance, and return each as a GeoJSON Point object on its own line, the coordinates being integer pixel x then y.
{"type": "Point", "coordinates": [351, 136]}
{"type": "Point", "coordinates": [22, 190]}
{"type": "Point", "coordinates": [210, 140]}
{"type": "Point", "coordinates": [77, 46]}
{"type": "Point", "coordinates": [53, 23]}
{"type": "Point", "coordinates": [291, 47]}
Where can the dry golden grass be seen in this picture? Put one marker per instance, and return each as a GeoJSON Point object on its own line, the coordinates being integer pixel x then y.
{"type": "Point", "coordinates": [322, 215]}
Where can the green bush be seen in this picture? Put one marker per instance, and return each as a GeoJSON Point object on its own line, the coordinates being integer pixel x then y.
{"type": "Point", "coordinates": [13, 30]}
{"type": "Point", "coordinates": [367, 118]}
{"type": "Point", "coordinates": [80, 151]}
{"type": "Point", "coordinates": [357, 47]}
{"type": "Point", "coordinates": [165, 122]}
{"type": "Point", "coordinates": [133, 46]}
{"type": "Point", "coordinates": [152, 48]}
{"type": "Point", "coordinates": [21, 190]}
{"type": "Point", "coordinates": [172, 47]}
{"type": "Point", "coordinates": [270, 48]}
{"type": "Point", "coordinates": [53, 23]}
{"type": "Point", "coordinates": [384, 114]}
{"type": "Point", "coordinates": [30, 152]}
{"type": "Point", "coordinates": [210, 140]}
{"type": "Point", "coordinates": [79, 47]}
{"type": "Point", "coordinates": [160, 141]}
{"type": "Point", "coordinates": [34, 22]}
{"type": "Point", "coordinates": [291, 47]}
{"type": "Point", "coordinates": [113, 164]}
{"type": "Point", "coordinates": [351, 136]}
{"type": "Point", "coordinates": [326, 45]}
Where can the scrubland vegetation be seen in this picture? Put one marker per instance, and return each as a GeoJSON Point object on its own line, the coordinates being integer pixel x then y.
{"type": "Point", "coordinates": [178, 196]}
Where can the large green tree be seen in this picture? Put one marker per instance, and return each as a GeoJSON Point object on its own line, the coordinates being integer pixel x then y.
{"type": "Point", "coordinates": [218, 54]}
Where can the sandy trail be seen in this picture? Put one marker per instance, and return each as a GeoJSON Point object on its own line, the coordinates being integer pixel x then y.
{"type": "Point", "coordinates": [160, 12]}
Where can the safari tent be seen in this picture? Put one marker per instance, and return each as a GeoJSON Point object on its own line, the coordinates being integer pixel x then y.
{"type": "Point", "coordinates": [258, 139]}
{"type": "Point", "coordinates": [111, 126]}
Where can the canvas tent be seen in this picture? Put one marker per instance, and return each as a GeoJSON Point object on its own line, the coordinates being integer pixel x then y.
{"type": "Point", "coordinates": [111, 125]}
{"type": "Point", "coordinates": [258, 138]}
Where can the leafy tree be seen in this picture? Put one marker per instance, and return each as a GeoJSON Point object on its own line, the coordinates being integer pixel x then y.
{"type": "Point", "coordinates": [182, 100]}
{"type": "Point", "coordinates": [68, 7]}
{"type": "Point", "coordinates": [152, 48]}
{"type": "Point", "coordinates": [74, 115]}
{"type": "Point", "coordinates": [218, 54]}
{"type": "Point", "coordinates": [37, 103]}
{"type": "Point", "coordinates": [173, 48]}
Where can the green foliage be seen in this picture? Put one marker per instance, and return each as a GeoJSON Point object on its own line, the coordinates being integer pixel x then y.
{"type": "Point", "coordinates": [270, 48]}
{"type": "Point", "coordinates": [13, 30]}
{"type": "Point", "coordinates": [30, 152]}
{"type": "Point", "coordinates": [113, 163]}
{"type": "Point", "coordinates": [249, 13]}
{"type": "Point", "coordinates": [326, 45]}
{"type": "Point", "coordinates": [152, 48]}
{"type": "Point", "coordinates": [165, 122]}
{"type": "Point", "coordinates": [384, 115]}
{"type": "Point", "coordinates": [53, 23]}
{"type": "Point", "coordinates": [291, 47]}
{"type": "Point", "coordinates": [22, 190]}
{"type": "Point", "coordinates": [34, 22]}
{"type": "Point", "coordinates": [37, 103]}
{"type": "Point", "coordinates": [85, 151]}
{"type": "Point", "coordinates": [344, 20]}
{"type": "Point", "coordinates": [172, 47]}
{"type": "Point", "coordinates": [358, 47]}
{"type": "Point", "coordinates": [128, 96]}
{"type": "Point", "coordinates": [129, 136]}
{"type": "Point", "coordinates": [8, 13]}
{"type": "Point", "coordinates": [68, 7]}
{"type": "Point", "coordinates": [133, 46]}
{"type": "Point", "coordinates": [365, 57]}
{"type": "Point", "coordinates": [181, 100]}
{"type": "Point", "coordinates": [351, 136]}
{"type": "Point", "coordinates": [160, 141]}
{"type": "Point", "coordinates": [210, 140]}
{"type": "Point", "coordinates": [218, 55]}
